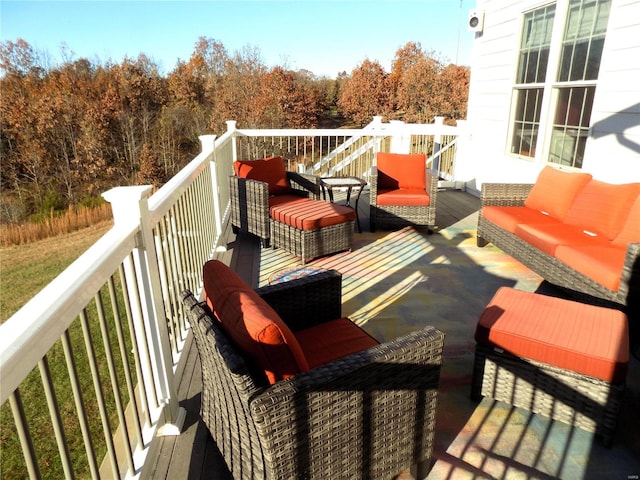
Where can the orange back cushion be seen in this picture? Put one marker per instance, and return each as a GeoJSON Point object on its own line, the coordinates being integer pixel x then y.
{"type": "Point", "coordinates": [255, 328]}
{"type": "Point", "coordinates": [602, 207]}
{"type": "Point", "coordinates": [555, 191]}
{"type": "Point", "coordinates": [270, 170]}
{"type": "Point", "coordinates": [630, 232]}
{"type": "Point", "coordinates": [402, 170]}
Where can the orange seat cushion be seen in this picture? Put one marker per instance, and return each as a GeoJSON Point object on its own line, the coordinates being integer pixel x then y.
{"type": "Point", "coordinates": [403, 197]}
{"type": "Point", "coordinates": [332, 340]}
{"type": "Point", "coordinates": [402, 170]}
{"type": "Point", "coordinates": [630, 232]}
{"type": "Point", "coordinates": [573, 336]}
{"type": "Point", "coordinates": [555, 191]}
{"type": "Point", "coordinates": [601, 264]}
{"type": "Point", "coordinates": [252, 324]}
{"type": "Point", "coordinates": [286, 199]}
{"type": "Point", "coordinates": [547, 237]}
{"type": "Point", "coordinates": [311, 214]}
{"type": "Point", "coordinates": [602, 207]}
{"type": "Point", "coordinates": [270, 170]}
{"type": "Point", "coordinates": [510, 217]}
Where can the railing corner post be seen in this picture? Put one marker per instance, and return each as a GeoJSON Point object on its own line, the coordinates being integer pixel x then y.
{"type": "Point", "coordinates": [129, 205]}
{"type": "Point", "coordinates": [207, 143]}
{"type": "Point", "coordinates": [401, 137]}
{"type": "Point", "coordinates": [437, 144]}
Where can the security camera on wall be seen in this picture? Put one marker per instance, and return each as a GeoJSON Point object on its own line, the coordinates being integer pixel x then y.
{"type": "Point", "coordinates": [476, 21]}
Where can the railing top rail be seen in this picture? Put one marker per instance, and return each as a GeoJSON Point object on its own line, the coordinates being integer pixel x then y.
{"type": "Point", "coordinates": [371, 129]}
{"type": "Point", "coordinates": [167, 195]}
{"type": "Point", "coordinates": [383, 129]}
{"type": "Point", "coordinates": [29, 334]}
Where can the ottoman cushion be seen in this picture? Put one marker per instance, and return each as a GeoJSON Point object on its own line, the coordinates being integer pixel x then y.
{"type": "Point", "coordinates": [307, 214]}
{"type": "Point", "coordinates": [582, 338]}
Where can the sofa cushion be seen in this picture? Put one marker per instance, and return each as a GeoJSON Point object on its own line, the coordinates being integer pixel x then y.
{"type": "Point", "coordinates": [311, 214]}
{"type": "Point", "coordinates": [555, 191]}
{"type": "Point", "coordinates": [403, 197]}
{"type": "Point", "coordinates": [402, 170]}
{"type": "Point", "coordinates": [602, 207]}
{"type": "Point", "coordinates": [510, 217]}
{"type": "Point", "coordinates": [332, 340]}
{"type": "Point", "coordinates": [252, 324]}
{"type": "Point", "coordinates": [270, 170]}
{"type": "Point", "coordinates": [589, 340]}
{"type": "Point", "coordinates": [547, 237]}
{"type": "Point", "coordinates": [630, 232]}
{"type": "Point", "coordinates": [601, 264]}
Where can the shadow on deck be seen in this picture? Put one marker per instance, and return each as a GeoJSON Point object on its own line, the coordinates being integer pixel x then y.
{"type": "Point", "coordinates": [455, 281]}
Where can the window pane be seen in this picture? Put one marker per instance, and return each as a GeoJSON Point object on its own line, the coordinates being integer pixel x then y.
{"type": "Point", "coordinates": [588, 105]}
{"type": "Point", "coordinates": [571, 125]}
{"type": "Point", "coordinates": [583, 40]}
{"type": "Point", "coordinates": [593, 61]}
{"type": "Point", "coordinates": [526, 121]}
{"type": "Point", "coordinates": [534, 49]}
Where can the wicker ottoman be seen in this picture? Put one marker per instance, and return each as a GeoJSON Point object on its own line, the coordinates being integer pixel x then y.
{"type": "Point", "coordinates": [311, 228]}
{"type": "Point", "coordinates": [558, 358]}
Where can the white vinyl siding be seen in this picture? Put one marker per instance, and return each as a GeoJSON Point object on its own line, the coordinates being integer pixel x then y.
{"type": "Point", "coordinates": [612, 148]}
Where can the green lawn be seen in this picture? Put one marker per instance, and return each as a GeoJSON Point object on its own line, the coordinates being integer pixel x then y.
{"type": "Point", "coordinates": [24, 270]}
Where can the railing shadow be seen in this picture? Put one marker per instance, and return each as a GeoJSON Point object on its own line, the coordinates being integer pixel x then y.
{"type": "Point", "coordinates": [455, 281]}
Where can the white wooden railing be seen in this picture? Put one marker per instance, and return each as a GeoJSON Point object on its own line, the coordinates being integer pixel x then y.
{"type": "Point", "coordinates": [88, 365]}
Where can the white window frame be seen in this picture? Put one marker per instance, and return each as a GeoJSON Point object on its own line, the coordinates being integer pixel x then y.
{"type": "Point", "coordinates": [550, 86]}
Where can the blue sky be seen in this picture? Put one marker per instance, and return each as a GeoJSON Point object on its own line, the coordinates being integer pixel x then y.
{"type": "Point", "coordinates": [325, 37]}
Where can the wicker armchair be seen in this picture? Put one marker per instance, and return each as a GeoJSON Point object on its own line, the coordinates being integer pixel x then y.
{"type": "Point", "coordinates": [250, 202]}
{"type": "Point", "coordinates": [402, 192]}
{"type": "Point", "coordinates": [368, 415]}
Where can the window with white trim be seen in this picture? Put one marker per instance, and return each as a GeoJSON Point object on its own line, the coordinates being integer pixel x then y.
{"type": "Point", "coordinates": [570, 83]}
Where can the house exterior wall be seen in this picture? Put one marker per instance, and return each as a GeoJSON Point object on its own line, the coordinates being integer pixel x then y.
{"type": "Point", "coordinates": [612, 152]}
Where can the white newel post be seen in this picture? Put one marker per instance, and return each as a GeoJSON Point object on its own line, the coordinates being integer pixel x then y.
{"type": "Point", "coordinates": [400, 137]}
{"type": "Point", "coordinates": [231, 128]}
{"type": "Point", "coordinates": [437, 144]}
{"type": "Point", "coordinates": [130, 206]}
{"type": "Point", "coordinates": [208, 143]}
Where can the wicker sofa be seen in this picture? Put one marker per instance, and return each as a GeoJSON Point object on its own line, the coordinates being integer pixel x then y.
{"type": "Point", "coordinates": [574, 231]}
{"type": "Point", "coordinates": [284, 210]}
{"type": "Point", "coordinates": [367, 414]}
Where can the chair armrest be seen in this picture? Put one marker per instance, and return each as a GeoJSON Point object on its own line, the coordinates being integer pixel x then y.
{"type": "Point", "coordinates": [308, 301]}
{"type": "Point", "coordinates": [249, 201]}
{"type": "Point", "coordinates": [505, 194]}
{"type": "Point", "coordinates": [309, 184]}
{"type": "Point", "coordinates": [379, 401]}
{"type": "Point", "coordinates": [432, 187]}
{"type": "Point", "coordinates": [253, 190]}
{"type": "Point", "coordinates": [630, 279]}
{"type": "Point", "coordinates": [373, 185]}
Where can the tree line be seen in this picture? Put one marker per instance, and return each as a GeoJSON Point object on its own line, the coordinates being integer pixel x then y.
{"type": "Point", "coordinates": [71, 131]}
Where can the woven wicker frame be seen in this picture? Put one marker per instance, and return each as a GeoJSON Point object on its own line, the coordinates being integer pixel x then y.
{"type": "Point", "coordinates": [250, 213]}
{"type": "Point", "coordinates": [578, 400]}
{"type": "Point", "coordinates": [368, 415]}
{"type": "Point", "coordinates": [396, 216]}
{"type": "Point", "coordinates": [547, 266]}
{"type": "Point", "coordinates": [308, 244]}
{"type": "Point", "coordinates": [250, 202]}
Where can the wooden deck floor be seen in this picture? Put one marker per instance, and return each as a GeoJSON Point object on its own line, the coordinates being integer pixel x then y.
{"type": "Point", "coordinates": [193, 454]}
